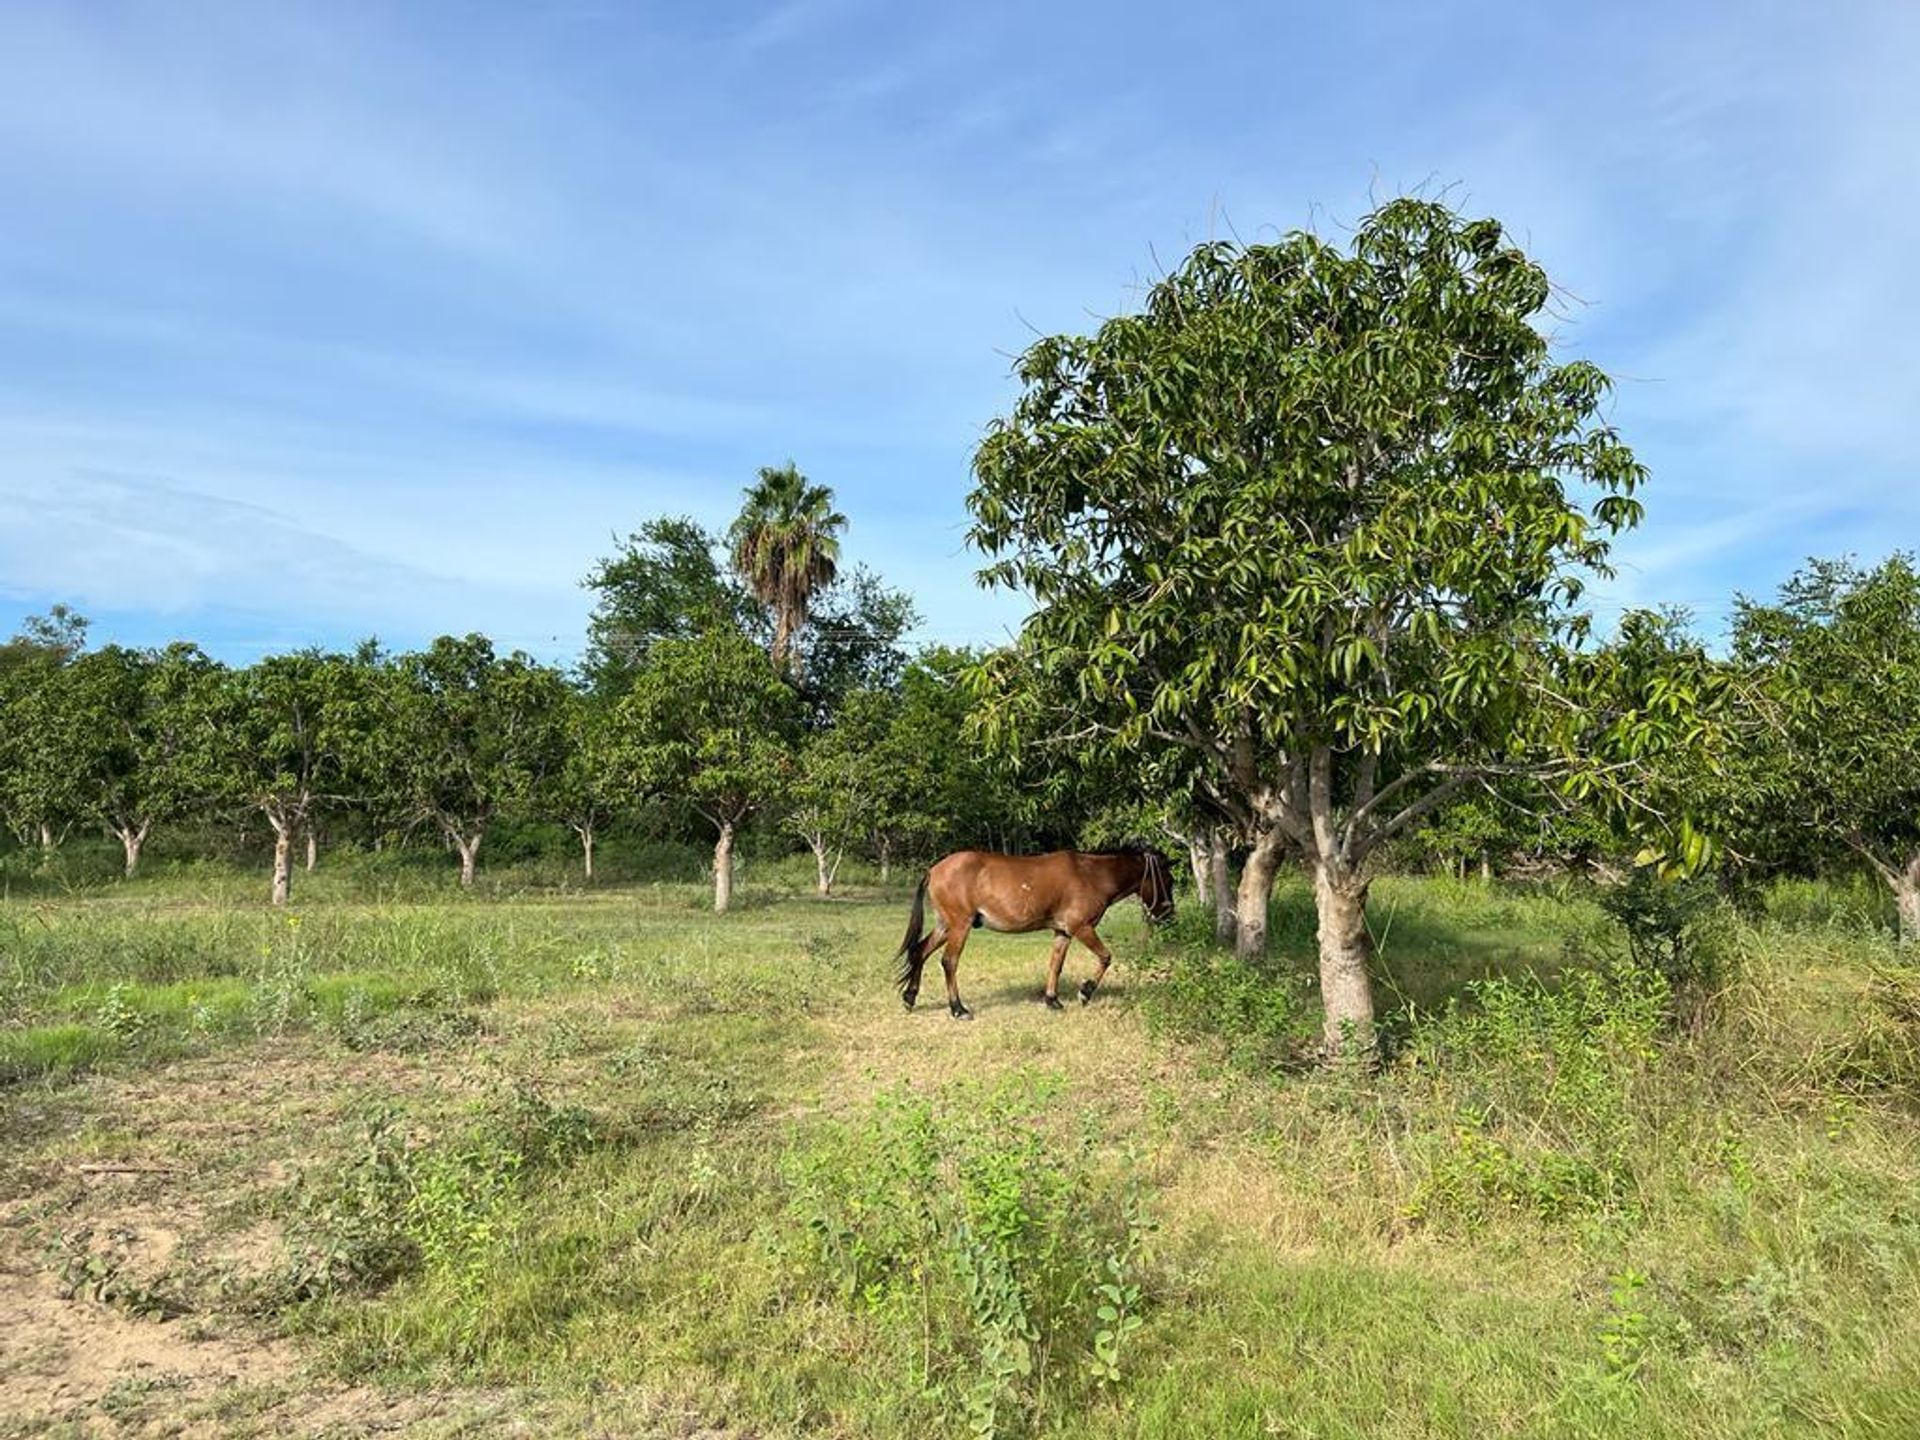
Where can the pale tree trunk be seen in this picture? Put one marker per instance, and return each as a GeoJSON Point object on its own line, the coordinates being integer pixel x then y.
{"type": "Point", "coordinates": [1346, 954]}
{"type": "Point", "coordinates": [48, 841]}
{"type": "Point", "coordinates": [886, 861]}
{"type": "Point", "coordinates": [132, 837]}
{"type": "Point", "coordinates": [585, 832]}
{"type": "Point", "coordinates": [313, 849]}
{"type": "Point", "coordinates": [1200, 859]}
{"type": "Point", "coordinates": [823, 877]}
{"type": "Point", "coordinates": [1906, 894]}
{"type": "Point", "coordinates": [723, 869]}
{"type": "Point", "coordinates": [282, 859]}
{"type": "Point", "coordinates": [469, 848]}
{"type": "Point", "coordinates": [1256, 892]}
{"type": "Point", "coordinates": [1226, 925]}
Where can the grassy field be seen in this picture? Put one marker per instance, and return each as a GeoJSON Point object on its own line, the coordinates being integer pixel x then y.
{"type": "Point", "coordinates": [603, 1163]}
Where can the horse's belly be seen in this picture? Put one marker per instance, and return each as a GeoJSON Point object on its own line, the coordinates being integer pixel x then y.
{"type": "Point", "coordinates": [1005, 923]}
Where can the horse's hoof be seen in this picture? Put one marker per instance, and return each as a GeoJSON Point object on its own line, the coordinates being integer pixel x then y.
{"type": "Point", "coordinates": [959, 1011]}
{"type": "Point", "coordinates": [1053, 1003]}
{"type": "Point", "coordinates": [1086, 991]}
{"type": "Point", "coordinates": [907, 1000]}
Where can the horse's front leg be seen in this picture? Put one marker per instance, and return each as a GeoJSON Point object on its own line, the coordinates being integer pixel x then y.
{"type": "Point", "coordinates": [1059, 957]}
{"type": "Point", "coordinates": [1086, 936]}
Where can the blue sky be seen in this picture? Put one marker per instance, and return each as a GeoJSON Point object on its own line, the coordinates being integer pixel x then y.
{"type": "Point", "coordinates": [318, 322]}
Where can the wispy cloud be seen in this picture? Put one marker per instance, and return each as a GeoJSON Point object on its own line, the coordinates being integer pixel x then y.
{"type": "Point", "coordinates": [442, 302]}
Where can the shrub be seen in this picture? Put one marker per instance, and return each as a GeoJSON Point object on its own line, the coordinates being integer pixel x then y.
{"type": "Point", "coordinates": [1672, 928]}
{"type": "Point", "coordinates": [393, 1208]}
{"type": "Point", "coordinates": [1263, 1016]}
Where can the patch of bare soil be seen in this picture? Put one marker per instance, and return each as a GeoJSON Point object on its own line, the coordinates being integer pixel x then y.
{"type": "Point", "coordinates": [133, 1205]}
{"type": "Point", "coordinates": [62, 1359]}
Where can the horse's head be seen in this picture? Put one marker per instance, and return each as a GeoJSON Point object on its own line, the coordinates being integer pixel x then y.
{"type": "Point", "coordinates": [1156, 886]}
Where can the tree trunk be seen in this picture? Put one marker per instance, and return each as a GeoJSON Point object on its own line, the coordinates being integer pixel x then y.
{"type": "Point", "coordinates": [131, 839]}
{"type": "Point", "coordinates": [586, 849]}
{"type": "Point", "coordinates": [47, 841]}
{"type": "Point", "coordinates": [1906, 894]}
{"type": "Point", "coordinates": [1256, 892]}
{"type": "Point", "coordinates": [313, 849]}
{"type": "Point", "coordinates": [1486, 868]}
{"type": "Point", "coordinates": [1200, 861]}
{"type": "Point", "coordinates": [282, 861]}
{"type": "Point", "coordinates": [469, 851]}
{"type": "Point", "coordinates": [1346, 952]}
{"type": "Point", "coordinates": [723, 869]}
{"type": "Point", "coordinates": [823, 877]}
{"type": "Point", "coordinates": [886, 861]}
{"type": "Point", "coordinates": [1226, 925]}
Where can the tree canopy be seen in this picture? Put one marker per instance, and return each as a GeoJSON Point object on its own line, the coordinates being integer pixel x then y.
{"type": "Point", "coordinates": [1317, 515]}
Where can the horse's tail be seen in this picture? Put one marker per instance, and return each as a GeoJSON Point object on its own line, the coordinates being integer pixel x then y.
{"type": "Point", "coordinates": [909, 956]}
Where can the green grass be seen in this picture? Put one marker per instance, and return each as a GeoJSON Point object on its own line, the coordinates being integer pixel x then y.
{"type": "Point", "coordinates": [604, 1158]}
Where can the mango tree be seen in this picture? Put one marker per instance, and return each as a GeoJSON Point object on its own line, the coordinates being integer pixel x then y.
{"type": "Point", "coordinates": [710, 723]}
{"type": "Point", "coordinates": [151, 720]}
{"type": "Point", "coordinates": [472, 735]}
{"type": "Point", "coordinates": [1316, 515]}
{"type": "Point", "coordinates": [43, 734]}
{"type": "Point", "coordinates": [592, 785]}
{"type": "Point", "coordinates": [290, 736]}
{"type": "Point", "coordinates": [843, 781]}
{"type": "Point", "coordinates": [1831, 771]}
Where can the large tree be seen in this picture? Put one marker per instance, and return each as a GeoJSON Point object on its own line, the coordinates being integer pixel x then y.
{"type": "Point", "coordinates": [786, 549]}
{"type": "Point", "coordinates": [291, 735]}
{"type": "Point", "coordinates": [710, 724]}
{"type": "Point", "coordinates": [151, 720]}
{"type": "Point", "coordinates": [472, 735]}
{"type": "Point", "coordinates": [1315, 515]}
{"type": "Point", "coordinates": [851, 640]}
{"type": "Point", "coordinates": [1830, 771]}
{"type": "Point", "coordinates": [663, 583]}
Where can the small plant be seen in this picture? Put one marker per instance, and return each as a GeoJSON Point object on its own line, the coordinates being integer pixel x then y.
{"type": "Point", "coordinates": [118, 1015]}
{"type": "Point", "coordinates": [100, 1275]}
{"type": "Point", "coordinates": [1119, 1308]}
{"type": "Point", "coordinates": [1626, 1335]}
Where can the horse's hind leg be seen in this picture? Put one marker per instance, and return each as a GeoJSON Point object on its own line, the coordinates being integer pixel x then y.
{"type": "Point", "coordinates": [1086, 936]}
{"type": "Point", "coordinates": [910, 992]}
{"type": "Point", "coordinates": [1054, 961]}
{"type": "Point", "coordinates": [950, 962]}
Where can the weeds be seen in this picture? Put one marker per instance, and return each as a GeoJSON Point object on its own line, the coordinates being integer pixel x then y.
{"type": "Point", "coordinates": [395, 1208]}
{"type": "Point", "coordinates": [1020, 1262]}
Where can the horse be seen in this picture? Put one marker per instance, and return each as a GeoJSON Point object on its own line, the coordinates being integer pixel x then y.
{"type": "Point", "coordinates": [1067, 892]}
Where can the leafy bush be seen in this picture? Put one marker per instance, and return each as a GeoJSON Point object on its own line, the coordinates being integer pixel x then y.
{"type": "Point", "coordinates": [1671, 928]}
{"type": "Point", "coordinates": [963, 1214]}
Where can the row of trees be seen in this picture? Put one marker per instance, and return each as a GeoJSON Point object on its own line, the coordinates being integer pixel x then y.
{"type": "Point", "coordinates": [727, 683]}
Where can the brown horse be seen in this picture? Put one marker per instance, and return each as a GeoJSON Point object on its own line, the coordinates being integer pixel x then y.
{"type": "Point", "coordinates": [1066, 892]}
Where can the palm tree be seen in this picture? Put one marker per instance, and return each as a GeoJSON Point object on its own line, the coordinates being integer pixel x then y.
{"type": "Point", "coordinates": [786, 548]}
